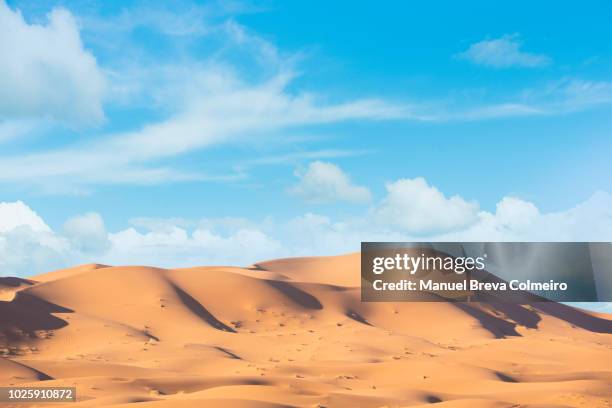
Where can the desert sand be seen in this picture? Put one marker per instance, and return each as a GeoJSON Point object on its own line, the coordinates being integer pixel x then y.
{"type": "Point", "coordinates": [290, 333]}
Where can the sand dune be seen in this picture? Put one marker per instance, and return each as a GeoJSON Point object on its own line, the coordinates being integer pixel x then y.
{"type": "Point", "coordinates": [294, 333]}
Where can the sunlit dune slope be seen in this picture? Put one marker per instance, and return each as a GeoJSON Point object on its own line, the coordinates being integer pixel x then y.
{"type": "Point", "coordinates": [290, 332]}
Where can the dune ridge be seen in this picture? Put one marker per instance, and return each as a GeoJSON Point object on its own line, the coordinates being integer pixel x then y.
{"type": "Point", "coordinates": [290, 333]}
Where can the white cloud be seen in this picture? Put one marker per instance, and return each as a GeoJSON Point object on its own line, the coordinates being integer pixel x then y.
{"type": "Point", "coordinates": [325, 182]}
{"type": "Point", "coordinates": [17, 214]}
{"type": "Point", "coordinates": [45, 73]}
{"type": "Point", "coordinates": [415, 207]}
{"type": "Point", "coordinates": [25, 252]}
{"type": "Point", "coordinates": [572, 94]}
{"type": "Point", "coordinates": [28, 246]}
{"type": "Point", "coordinates": [87, 233]}
{"type": "Point", "coordinates": [265, 51]}
{"type": "Point", "coordinates": [515, 213]}
{"type": "Point", "coordinates": [558, 97]}
{"type": "Point", "coordinates": [503, 52]}
{"type": "Point", "coordinates": [169, 19]}
{"type": "Point", "coordinates": [519, 220]}
{"type": "Point", "coordinates": [177, 246]}
{"type": "Point", "coordinates": [220, 108]}
{"type": "Point", "coordinates": [244, 90]}
{"type": "Point", "coordinates": [297, 156]}
{"type": "Point", "coordinates": [12, 129]}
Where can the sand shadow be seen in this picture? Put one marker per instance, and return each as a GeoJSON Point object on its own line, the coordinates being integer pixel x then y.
{"type": "Point", "coordinates": [15, 282]}
{"type": "Point", "coordinates": [40, 376]}
{"type": "Point", "coordinates": [505, 377]}
{"type": "Point", "coordinates": [500, 328]}
{"type": "Point", "coordinates": [517, 313]}
{"type": "Point", "coordinates": [28, 314]}
{"type": "Point", "coordinates": [197, 309]}
{"type": "Point", "coordinates": [528, 318]}
{"type": "Point", "coordinates": [575, 317]}
{"type": "Point", "coordinates": [351, 314]}
{"type": "Point", "coordinates": [228, 353]}
{"type": "Point", "coordinates": [432, 399]}
{"type": "Point", "coordinates": [302, 298]}
{"type": "Point", "coordinates": [256, 267]}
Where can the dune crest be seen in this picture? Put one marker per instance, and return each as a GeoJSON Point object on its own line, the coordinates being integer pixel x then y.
{"type": "Point", "coordinates": [290, 332]}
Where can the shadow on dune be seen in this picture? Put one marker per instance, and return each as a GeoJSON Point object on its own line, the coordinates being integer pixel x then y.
{"type": "Point", "coordinates": [575, 317]}
{"type": "Point", "coordinates": [432, 399]}
{"type": "Point", "coordinates": [505, 377]}
{"type": "Point", "coordinates": [302, 298]}
{"type": "Point", "coordinates": [39, 374]}
{"type": "Point", "coordinates": [351, 314]}
{"type": "Point", "coordinates": [500, 328]}
{"type": "Point", "coordinates": [228, 353]}
{"type": "Point", "coordinates": [197, 309]}
{"type": "Point", "coordinates": [15, 282]}
{"type": "Point", "coordinates": [28, 314]}
{"type": "Point", "coordinates": [169, 385]}
{"type": "Point", "coordinates": [256, 267]}
{"type": "Point", "coordinates": [517, 313]}
{"type": "Point", "coordinates": [521, 315]}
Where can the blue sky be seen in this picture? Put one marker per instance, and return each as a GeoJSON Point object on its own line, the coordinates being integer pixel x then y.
{"type": "Point", "coordinates": [298, 128]}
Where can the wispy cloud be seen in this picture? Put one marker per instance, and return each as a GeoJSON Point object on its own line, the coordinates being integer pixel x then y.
{"type": "Point", "coordinates": [191, 21]}
{"type": "Point", "coordinates": [218, 113]}
{"type": "Point", "coordinates": [222, 109]}
{"type": "Point", "coordinates": [297, 157]}
{"type": "Point", "coordinates": [503, 52]}
{"type": "Point", "coordinates": [209, 101]}
{"type": "Point", "coordinates": [564, 96]}
{"type": "Point", "coordinates": [204, 103]}
{"type": "Point", "coordinates": [15, 128]}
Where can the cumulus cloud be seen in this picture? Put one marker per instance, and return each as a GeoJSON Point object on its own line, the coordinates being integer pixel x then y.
{"type": "Point", "coordinates": [17, 214]}
{"type": "Point", "coordinates": [503, 52]}
{"type": "Point", "coordinates": [514, 213]}
{"type": "Point", "coordinates": [176, 246]}
{"type": "Point", "coordinates": [28, 246]}
{"type": "Point", "coordinates": [519, 220]}
{"type": "Point", "coordinates": [87, 233]}
{"type": "Point", "coordinates": [325, 182]}
{"type": "Point", "coordinates": [45, 72]}
{"type": "Point", "coordinates": [415, 207]}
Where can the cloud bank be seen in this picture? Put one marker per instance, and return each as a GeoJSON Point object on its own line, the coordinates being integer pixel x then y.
{"type": "Point", "coordinates": [412, 210]}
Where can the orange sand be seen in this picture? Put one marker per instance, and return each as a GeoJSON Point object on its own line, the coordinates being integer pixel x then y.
{"type": "Point", "coordinates": [290, 333]}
